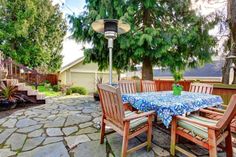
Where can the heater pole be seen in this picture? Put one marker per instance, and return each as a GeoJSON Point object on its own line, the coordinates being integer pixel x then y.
{"type": "Point", "coordinates": [110, 66]}
{"type": "Point", "coordinates": [110, 46]}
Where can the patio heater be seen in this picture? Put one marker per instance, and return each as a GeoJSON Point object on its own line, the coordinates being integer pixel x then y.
{"type": "Point", "coordinates": [110, 28]}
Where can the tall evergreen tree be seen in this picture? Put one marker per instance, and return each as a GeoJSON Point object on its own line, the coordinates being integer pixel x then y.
{"type": "Point", "coordinates": [163, 33]}
{"type": "Point", "coordinates": [231, 43]}
{"type": "Point", "coordinates": [31, 32]}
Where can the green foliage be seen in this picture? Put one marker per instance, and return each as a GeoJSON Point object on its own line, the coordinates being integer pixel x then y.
{"type": "Point", "coordinates": [47, 91]}
{"type": "Point", "coordinates": [56, 88]}
{"type": "Point", "coordinates": [31, 32]}
{"type": "Point", "coordinates": [80, 90]}
{"type": "Point", "coordinates": [163, 33]}
{"type": "Point", "coordinates": [135, 78]}
{"type": "Point", "coordinates": [68, 91]}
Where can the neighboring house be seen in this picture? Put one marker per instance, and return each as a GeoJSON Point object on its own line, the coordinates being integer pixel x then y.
{"type": "Point", "coordinates": [85, 75]}
{"type": "Point", "coordinates": [211, 71]}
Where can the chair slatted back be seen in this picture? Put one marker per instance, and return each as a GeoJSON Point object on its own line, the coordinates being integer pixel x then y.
{"type": "Point", "coordinates": [127, 86]}
{"type": "Point", "coordinates": [148, 86]}
{"type": "Point", "coordinates": [112, 106]}
{"type": "Point", "coordinates": [201, 88]}
{"type": "Point", "coordinates": [229, 114]}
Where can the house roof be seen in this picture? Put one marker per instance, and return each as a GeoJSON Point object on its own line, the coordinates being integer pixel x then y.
{"type": "Point", "coordinates": [213, 69]}
{"type": "Point", "coordinates": [68, 66]}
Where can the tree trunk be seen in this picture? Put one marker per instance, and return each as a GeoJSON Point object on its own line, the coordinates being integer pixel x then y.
{"type": "Point", "coordinates": [231, 18]}
{"type": "Point", "coordinates": [147, 71]}
{"type": "Point", "coordinates": [225, 72]}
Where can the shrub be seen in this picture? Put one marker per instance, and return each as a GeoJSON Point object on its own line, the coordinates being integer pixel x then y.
{"type": "Point", "coordinates": [80, 90]}
{"type": "Point", "coordinates": [68, 92]}
{"type": "Point", "coordinates": [56, 88]}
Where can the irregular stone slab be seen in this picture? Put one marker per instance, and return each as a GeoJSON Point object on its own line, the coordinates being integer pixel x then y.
{"type": "Point", "coordinates": [54, 132]}
{"type": "Point", "coordinates": [5, 134]}
{"type": "Point", "coordinates": [160, 151]}
{"type": "Point", "coordinates": [10, 123]}
{"type": "Point", "coordinates": [49, 140]}
{"type": "Point", "coordinates": [97, 120]}
{"type": "Point", "coordinates": [2, 120]}
{"type": "Point", "coordinates": [86, 131]}
{"type": "Point", "coordinates": [25, 122]}
{"type": "Point", "coordinates": [84, 125]}
{"type": "Point", "coordinates": [95, 114]}
{"type": "Point", "coordinates": [69, 130]}
{"type": "Point", "coordinates": [115, 141]}
{"type": "Point", "coordinates": [72, 141]}
{"type": "Point", "coordinates": [29, 129]}
{"type": "Point", "coordinates": [77, 119]}
{"type": "Point", "coordinates": [90, 149]}
{"type": "Point", "coordinates": [32, 143]}
{"type": "Point", "coordinates": [94, 136]}
{"type": "Point", "coordinates": [50, 150]}
{"type": "Point", "coordinates": [6, 153]}
{"type": "Point", "coordinates": [88, 110]}
{"type": "Point", "coordinates": [16, 141]}
{"type": "Point", "coordinates": [36, 133]}
{"type": "Point", "coordinates": [58, 122]}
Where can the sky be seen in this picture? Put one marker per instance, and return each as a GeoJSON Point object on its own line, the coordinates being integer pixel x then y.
{"type": "Point", "coordinates": [73, 50]}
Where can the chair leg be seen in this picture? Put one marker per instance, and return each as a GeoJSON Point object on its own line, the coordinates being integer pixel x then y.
{"type": "Point", "coordinates": [102, 131]}
{"type": "Point", "coordinates": [173, 136]}
{"type": "Point", "coordinates": [125, 140]}
{"type": "Point", "coordinates": [149, 133]}
{"type": "Point", "coordinates": [228, 144]}
{"type": "Point", "coordinates": [212, 143]}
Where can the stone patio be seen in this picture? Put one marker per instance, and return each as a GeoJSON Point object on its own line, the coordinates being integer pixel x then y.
{"type": "Point", "coordinates": [69, 126]}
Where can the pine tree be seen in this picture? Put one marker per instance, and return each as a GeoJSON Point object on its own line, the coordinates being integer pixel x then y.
{"type": "Point", "coordinates": [163, 33]}
{"type": "Point", "coordinates": [31, 32]}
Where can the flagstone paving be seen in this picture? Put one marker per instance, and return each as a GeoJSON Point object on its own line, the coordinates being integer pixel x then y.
{"type": "Point", "coordinates": [69, 126]}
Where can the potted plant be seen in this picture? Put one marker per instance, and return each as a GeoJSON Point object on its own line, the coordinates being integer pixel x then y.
{"type": "Point", "coordinates": [176, 87]}
{"type": "Point", "coordinates": [95, 94]}
{"type": "Point", "coordinates": [9, 95]}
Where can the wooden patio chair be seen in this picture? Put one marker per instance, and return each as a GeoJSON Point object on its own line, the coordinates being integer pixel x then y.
{"type": "Point", "coordinates": [127, 86]}
{"type": "Point", "coordinates": [148, 86]}
{"type": "Point", "coordinates": [201, 88]}
{"type": "Point", "coordinates": [217, 113]}
{"type": "Point", "coordinates": [128, 124]}
{"type": "Point", "coordinates": [204, 132]}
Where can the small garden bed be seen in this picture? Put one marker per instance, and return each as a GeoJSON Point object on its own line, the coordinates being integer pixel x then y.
{"type": "Point", "coordinates": [48, 91]}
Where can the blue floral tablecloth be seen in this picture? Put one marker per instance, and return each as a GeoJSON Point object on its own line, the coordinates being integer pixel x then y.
{"type": "Point", "coordinates": [167, 105]}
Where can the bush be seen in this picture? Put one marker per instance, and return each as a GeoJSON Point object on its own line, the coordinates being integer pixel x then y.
{"type": "Point", "coordinates": [68, 92]}
{"type": "Point", "coordinates": [80, 90]}
{"type": "Point", "coordinates": [56, 88]}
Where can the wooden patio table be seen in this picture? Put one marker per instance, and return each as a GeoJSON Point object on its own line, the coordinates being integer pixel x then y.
{"type": "Point", "coordinates": [166, 105]}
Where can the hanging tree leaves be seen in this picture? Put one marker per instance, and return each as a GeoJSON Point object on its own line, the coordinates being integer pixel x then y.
{"type": "Point", "coordinates": [163, 33]}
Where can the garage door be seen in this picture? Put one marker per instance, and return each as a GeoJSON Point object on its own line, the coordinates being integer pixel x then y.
{"type": "Point", "coordinates": [86, 80]}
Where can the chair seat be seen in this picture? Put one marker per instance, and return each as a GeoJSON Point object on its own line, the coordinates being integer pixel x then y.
{"type": "Point", "coordinates": [136, 123]}
{"type": "Point", "coordinates": [197, 129]}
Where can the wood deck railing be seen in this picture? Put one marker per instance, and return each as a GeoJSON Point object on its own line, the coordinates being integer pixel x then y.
{"type": "Point", "coordinates": [21, 72]}
{"type": "Point", "coordinates": [26, 74]}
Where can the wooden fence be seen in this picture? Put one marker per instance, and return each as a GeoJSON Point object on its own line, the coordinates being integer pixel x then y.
{"type": "Point", "coordinates": [225, 93]}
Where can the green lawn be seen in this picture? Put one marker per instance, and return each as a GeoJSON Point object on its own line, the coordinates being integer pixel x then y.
{"type": "Point", "coordinates": [47, 91]}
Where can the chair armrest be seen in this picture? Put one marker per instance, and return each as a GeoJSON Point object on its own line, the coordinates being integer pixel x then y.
{"type": "Point", "coordinates": [211, 112]}
{"type": "Point", "coordinates": [216, 109]}
{"type": "Point", "coordinates": [144, 114]}
{"type": "Point", "coordinates": [197, 122]}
